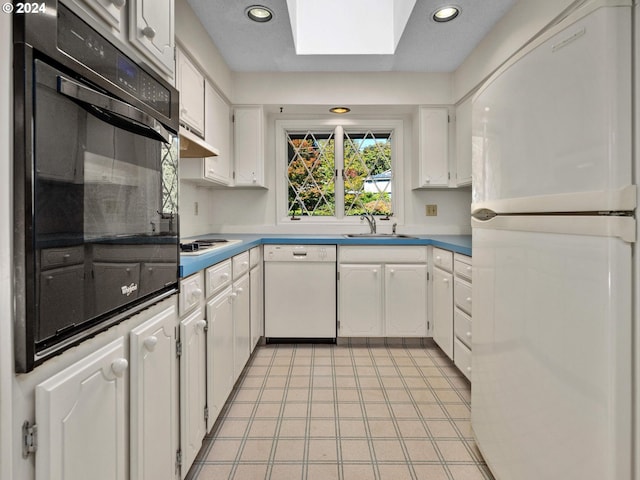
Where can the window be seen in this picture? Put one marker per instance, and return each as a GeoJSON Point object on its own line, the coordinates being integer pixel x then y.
{"type": "Point", "coordinates": [338, 173]}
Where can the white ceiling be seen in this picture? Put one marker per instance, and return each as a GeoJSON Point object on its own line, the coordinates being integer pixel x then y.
{"type": "Point", "coordinates": [425, 46]}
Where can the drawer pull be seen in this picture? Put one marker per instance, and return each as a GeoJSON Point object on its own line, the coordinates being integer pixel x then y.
{"type": "Point", "coordinates": [468, 334]}
{"type": "Point", "coordinates": [468, 269]}
{"type": "Point", "coordinates": [224, 276]}
{"type": "Point", "coordinates": [438, 258]}
{"type": "Point", "coordinates": [468, 299]}
{"type": "Point", "coordinates": [469, 369]}
{"type": "Point", "coordinates": [118, 3]}
{"type": "Point", "coordinates": [197, 293]}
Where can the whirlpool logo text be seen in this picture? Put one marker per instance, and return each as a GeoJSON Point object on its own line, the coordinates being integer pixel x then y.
{"type": "Point", "coordinates": [129, 289]}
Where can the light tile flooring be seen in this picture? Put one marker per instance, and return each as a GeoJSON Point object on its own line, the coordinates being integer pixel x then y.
{"type": "Point", "coordinates": [344, 412]}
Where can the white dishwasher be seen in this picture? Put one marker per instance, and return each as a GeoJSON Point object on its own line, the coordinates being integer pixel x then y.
{"type": "Point", "coordinates": [300, 292]}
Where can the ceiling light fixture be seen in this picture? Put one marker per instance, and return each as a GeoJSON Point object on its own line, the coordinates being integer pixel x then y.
{"type": "Point", "coordinates": [340, 110]}
{"type": "Point", "coordinates": [446, 14]}
{"type": "Point", "coordinates": [259, 13]}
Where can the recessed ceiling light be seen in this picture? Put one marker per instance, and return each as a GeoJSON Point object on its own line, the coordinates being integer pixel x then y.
{"type": "Point", "coordinates": [259, 13]}
{"type": "Point", "coordinates": [340, 110]}
{"type": "Point", "coordinates": [446, 14]}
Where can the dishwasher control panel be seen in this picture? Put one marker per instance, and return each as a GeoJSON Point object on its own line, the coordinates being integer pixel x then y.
{"type": "Point", "coordinates": [299, 253]}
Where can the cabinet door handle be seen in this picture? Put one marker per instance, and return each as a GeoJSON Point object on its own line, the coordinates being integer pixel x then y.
{"type": "Point", "coordinates": [239, 290]}
{"type": "Point", "coordinates": [468, 269]}
{"type": "Point", "coordinates": [468, 334]}
{"type": "Point", "coordinates": [119, 366]}
{"type": "Point", "coordinates": [149, 32]}
{"type": "Point", "coordinates": [392, 271]}
{"type": "Point", "coordinates": [445, 280]}
{"type": "Point", "coordinates": [118, 3]}
{"type": "Point", "coordinates": [197, 293]}
{"type": "Point", "coordinates": [438, 258]}
{"type": "Point", "coordinates": [233, 295]}
{"type": "Point", "coordinates": [150, 343]}
{"type": "Point", "coordinates": [201, 324]}
{"type": "Point", "coordinates": [375, 271]}
{"type": "Point", "coordinates": [468, 299]}
{"type": "Point", "coordinates": [225, 276]}
{"type": "Point", "coordinates": [244, 264]}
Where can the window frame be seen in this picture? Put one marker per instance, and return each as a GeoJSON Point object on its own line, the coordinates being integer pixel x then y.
{"type": "Point", "coordinates": [338, 126]}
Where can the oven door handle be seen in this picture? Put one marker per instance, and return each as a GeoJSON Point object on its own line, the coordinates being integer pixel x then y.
{"type": "Point", "coordinates": [106, 108]}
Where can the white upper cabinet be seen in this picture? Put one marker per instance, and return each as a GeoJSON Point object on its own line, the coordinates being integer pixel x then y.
{"type": "Point", "coordinates": [433, 151]}
{"type": "Point", "coordinates": [190, 84]}
{"type": "Point", "coordinates": [151, 31]}
{"type": "Point", "coordinates": [248, 146]}
{"type": "Point", "coordinates": [112, 14]}
{"type": "Point", "coordinates": [218, 134]}
{"type": "Point", "coordinates": [464, 143]}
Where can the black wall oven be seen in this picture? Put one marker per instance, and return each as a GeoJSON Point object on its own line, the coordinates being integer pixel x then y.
{"type": "Point", "coordinates": [95, 181]}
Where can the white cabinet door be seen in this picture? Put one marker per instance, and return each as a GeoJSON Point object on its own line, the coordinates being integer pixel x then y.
{"type": "Point", "coordinates": [241, 324]}
{"type": "Point", "coordinates": [433, 162]}
{"type": "Point", "coordinates": [220, 378]}
{"type": "Point", "coordinates": [190, 83]}
{"type": "Point", "coordinates": [248, 147]}
{"type": "Point", "coordinates": [360, 300]}
{"type": "Point", "coordinates": [81, 417]}
{"type": "Point", "coordinates": [405, 300]}
{"type": "Point", "coordinates": [443, 310]}
{"type": "Point", "coordinates": [463, 143]}
{"type": "Point", "coordinates": [151, 30]}
{"type": "Point", "coordinates": [192, 387]}
{"type": "Point", "coordinates": [154, 397]}
{"type": "Point", "coordinates": [257, 304]}
{"type": "Point", "coordinates": [218, 134]}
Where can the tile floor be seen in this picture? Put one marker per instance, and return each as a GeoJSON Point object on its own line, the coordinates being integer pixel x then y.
{"type": "Point", "coordinates": [344, 412]}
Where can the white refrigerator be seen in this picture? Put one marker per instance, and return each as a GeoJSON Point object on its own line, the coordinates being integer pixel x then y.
{"type": "Point", "coordinates": [553, 237]}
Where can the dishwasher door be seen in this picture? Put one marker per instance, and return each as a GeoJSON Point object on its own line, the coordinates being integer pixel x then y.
{"type": "Point", "coordinates": [300, 292]}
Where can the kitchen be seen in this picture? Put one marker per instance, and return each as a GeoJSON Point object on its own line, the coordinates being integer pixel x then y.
{"type": "Point", "coordinates": [260, 212]}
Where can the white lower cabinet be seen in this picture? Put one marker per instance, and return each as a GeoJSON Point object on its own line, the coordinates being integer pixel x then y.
{"type": "Point", "coordinates": [442, 301]}
{"type": "Point", "coordinates": [241, 324]}
{"type": "Point", "coordinates": [220, 377]}
{"type": "Point", "coordinates": [193, 395]}
{"type": "Point", "coordinates": [382, 291]}
{"type": "Point", "coordinates": [256, 279]}
{"type": "Point", "coordinates": [405, 308]}
{"type": "Point", "coordinates": [154, 430]}
{"type": "Point", "coordinates": [360, 300]}
{"type": "Point", "coordinates": [462, 298]}
{"type": "Point", "coordinates": [82, 418]}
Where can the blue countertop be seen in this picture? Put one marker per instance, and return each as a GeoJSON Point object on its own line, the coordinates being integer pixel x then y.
{"type": "Point", "coordinates": [192, 264]}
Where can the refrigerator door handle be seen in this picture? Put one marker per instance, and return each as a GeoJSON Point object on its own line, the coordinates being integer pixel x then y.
{"type": "Point", "coordinates": [483, 214]}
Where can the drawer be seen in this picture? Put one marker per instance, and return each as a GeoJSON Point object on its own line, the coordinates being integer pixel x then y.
{"type": "Point", "coordinates": [462, 358]}
{"type": "Point", "coordinates": [217, 277]}
{"type": "Point", "coordinates": [443, 259]}
{"type": "Point", "coordinates": [462, 326]}
{"type": "Point", "coordinates": [58, 257]}
{"type": "Point", "coordinates": [383, 254]}
{"type": "Point", "coordinates": [255, 256]}
{"type": "Point", "coordinates": [191, 292]}
{"type": "Point", "coordinates": [240, 265]}
{"type": "Point", "coordinates": [462, 295]}
{"type": "Point", "coordinates": [462, 267]}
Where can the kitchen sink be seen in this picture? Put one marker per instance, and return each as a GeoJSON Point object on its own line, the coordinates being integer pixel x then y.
{"type": "Point", "coordinates": [378, 235]}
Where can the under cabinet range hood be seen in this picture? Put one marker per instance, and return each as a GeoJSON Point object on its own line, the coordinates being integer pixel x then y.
{"type": "Point", "coordinates": [192, 146]}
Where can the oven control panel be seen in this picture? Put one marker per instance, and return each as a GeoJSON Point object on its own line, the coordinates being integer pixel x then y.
{"type": "Point", "coordinates": [80, 41]}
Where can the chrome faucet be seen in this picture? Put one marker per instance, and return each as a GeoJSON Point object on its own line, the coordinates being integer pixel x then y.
{"type": "Point", "coordinates": [371, 220]}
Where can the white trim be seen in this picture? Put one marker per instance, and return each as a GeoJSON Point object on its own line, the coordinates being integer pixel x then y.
{"type": "Point", "coordinates": [621, 200]}
{"type": "Point", "coordinates": [325, 125]}
{"type": "Point", "coordinates": [592, 225]}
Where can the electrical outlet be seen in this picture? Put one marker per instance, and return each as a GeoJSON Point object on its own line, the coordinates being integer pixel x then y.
{"type": "Point", "coordinates": [431, 210]}
{"type": "Point", "coordinates": [195, 208]}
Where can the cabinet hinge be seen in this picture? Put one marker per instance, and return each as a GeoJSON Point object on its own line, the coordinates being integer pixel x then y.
{"type": "Point", "coordinates": [338, 325]}
{"type": "Point", "coordinates": [206, 326]}
{"type": "Point", "coordinates": [206, 414]}
{"type": "Point", "coordinates": [179, 348]}
{"type": "Point", "coordinates": [449, 176]}
{"type": "Point", "coordinates": [233, 118]}
{"type": "Point", "coordinates": [233, 175]}
{"type": "Point", "coordinates": [178, 460]}
{"type": "Point", "coordinates": [428, 326]}
{"type": "Point", "coordinates": [29, 439]}
{"type": "Point", "coordinates": [428, 276]}
{"type": "Point", "coordinates": [337, 275]}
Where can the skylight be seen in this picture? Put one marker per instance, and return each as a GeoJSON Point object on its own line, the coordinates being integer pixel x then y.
{"type": "Point", "coordinates": [348, 27]}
